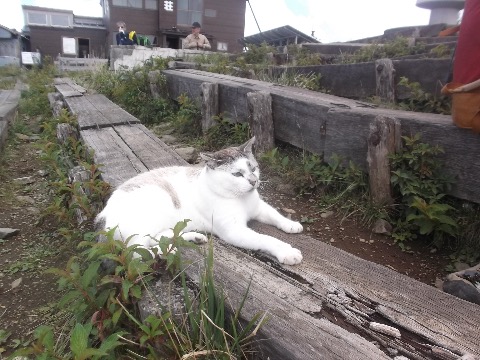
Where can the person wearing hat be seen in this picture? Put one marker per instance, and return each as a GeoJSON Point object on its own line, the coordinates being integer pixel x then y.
{"type": "Point", "coordinates": [196, 40]}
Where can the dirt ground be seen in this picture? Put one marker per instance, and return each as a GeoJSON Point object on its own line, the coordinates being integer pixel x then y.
{"type": "Point", "coordinates": [27, 293]}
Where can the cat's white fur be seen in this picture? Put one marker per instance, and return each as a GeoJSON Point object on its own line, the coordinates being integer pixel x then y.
{"type": "Point", "coordinates": [219, 198]}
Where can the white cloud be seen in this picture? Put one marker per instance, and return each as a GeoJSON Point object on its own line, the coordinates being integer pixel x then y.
{"type": "Point", "coordinates": [337, 20]}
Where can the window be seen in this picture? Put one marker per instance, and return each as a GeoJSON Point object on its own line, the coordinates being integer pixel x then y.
{"type": "Point", "coordinates": [189, 11]}
{"type": "Point", "coordinates": [151, 4]}
{"type": "Point", "coordinates": [60, 20]}
{"type": "Point", "coordinates": [128, 3]}
{"type": "Point", "coordinates": [210, 13]}
{"type": "Point", "coordinates": [37, 18]}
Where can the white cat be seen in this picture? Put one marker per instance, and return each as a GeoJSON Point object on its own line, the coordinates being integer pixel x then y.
{"type": "Point", "coordinates": [219, 198]}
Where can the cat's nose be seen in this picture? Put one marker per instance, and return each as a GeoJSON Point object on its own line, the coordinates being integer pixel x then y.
{"type": "Point", "coordinates": [252, 180]}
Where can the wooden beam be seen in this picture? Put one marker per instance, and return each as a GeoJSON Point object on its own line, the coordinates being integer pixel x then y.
{"type": "Point", "coordinates": [261, 120]}
{"type": "Point", "coordinates": [385, 80]}
{"type": "Point", "coordinates": [209, 104]}
{"type": "Point", "coordinates": [381, 144]}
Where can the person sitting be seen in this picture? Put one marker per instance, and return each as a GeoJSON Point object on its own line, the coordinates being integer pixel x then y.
{"type": "Point", "coordinates": [124, 38]}
{"type": "Point", "coordinates": [196, 40]}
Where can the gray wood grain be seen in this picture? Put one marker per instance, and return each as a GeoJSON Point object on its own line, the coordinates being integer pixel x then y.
{"type": "Point", "coordinates": [118, 162]}
{"type": "Point", "coordinates": [97, 111]}
{"type": "Point", "coordinates": [146, 146]}
{"type": "Point", "coordinates": [292, 330]}
{"type": "Point", "coordinates": [436, 317]}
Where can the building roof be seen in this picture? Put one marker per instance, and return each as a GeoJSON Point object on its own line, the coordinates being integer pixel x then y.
{"type": "Point", "coordinates": [12, 31]}
{"type": "Point", "coordinates": [280, 36]}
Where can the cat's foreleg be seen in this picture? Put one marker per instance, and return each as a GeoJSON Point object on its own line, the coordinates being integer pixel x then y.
{"type": "Point", "coordinates": [246, 238]}
{"type": "Point", "coordinates": [268, 215]}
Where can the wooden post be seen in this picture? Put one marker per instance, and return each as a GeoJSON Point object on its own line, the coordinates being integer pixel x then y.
{"type": "Point", "coordinates": [210, 106]}
{"type": "Point", "coordinates": [261, 120]}
{"type": "Point", "coordinates": [381, 143]}
{"type": "Point", "coordinates": [385, 75]}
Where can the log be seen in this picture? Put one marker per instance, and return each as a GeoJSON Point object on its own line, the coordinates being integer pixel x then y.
{"type": "Point", "coordinates": [261, 120]}
{"type": "Point", "coordinates": [385, 80]}
{"type": "Point", "coordinates": [381, 144]}
{"type": "Point", "coordinates": [209, 104]}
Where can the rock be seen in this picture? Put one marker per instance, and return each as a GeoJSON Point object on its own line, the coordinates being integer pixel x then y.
{"type": "Point", "coordinates": [25, 180]}
{"type": "Point", "coordinates": [463, 290]}
{"type": "Point", "coordinates": [5, 233]}
{"type": "Point", "coordinates": [287, 189]}
{"type": "Point", "coordinates": [34, 138]}
{"type": "Point", "coordinates": [189, 154]}
{"type": "Point", "coordinates": [26, 199]}
{"type": "Point", "coordinates": [168, 139]}
{"type": "Point", "coordinates": [459, 266]}
{"type": "Point", "coordinates": [326, 214]}
{"type": "Point", "coordinates": [33, 210]}
{"type": "Point", "coordinates": [382, 226]}
{"type": "Point", "coordinates": [42, 173]}
{"type": "Point", "coordinates": [289, 211]}
{"type": "Point", "coordinates": [22, 137]}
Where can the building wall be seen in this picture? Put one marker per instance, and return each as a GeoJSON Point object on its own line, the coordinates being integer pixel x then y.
{"type": "Point", "coordinates": [49, 40]}
{"type": "Point", "coordinates": [222, 20]}
{"type": "Point", "coordinates": [9, 44]}
{"type": "Point", "coordinates": [143, 21]}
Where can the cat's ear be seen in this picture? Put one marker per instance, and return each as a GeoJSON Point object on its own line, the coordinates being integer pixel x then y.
{"type": "Point", "coordinates": [247, 147]}
{"type": "Point", "coordinates": [210, 160]}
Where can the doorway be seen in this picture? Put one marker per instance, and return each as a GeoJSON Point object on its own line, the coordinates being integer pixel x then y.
{"type": "Point", "coordinates": [83, 48]}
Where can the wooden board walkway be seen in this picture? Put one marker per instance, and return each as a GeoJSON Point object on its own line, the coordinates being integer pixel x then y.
{"type": "Point", "coordinates": [322, 308]}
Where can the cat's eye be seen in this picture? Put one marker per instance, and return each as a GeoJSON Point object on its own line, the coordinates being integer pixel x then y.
{"type": "Point", "coordinates": [237, 174]}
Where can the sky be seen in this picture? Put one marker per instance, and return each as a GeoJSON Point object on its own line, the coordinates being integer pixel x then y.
{"type": "Point", "coordinates": [331, 21]}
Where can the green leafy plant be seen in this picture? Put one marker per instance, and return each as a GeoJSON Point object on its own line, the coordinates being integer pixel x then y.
{"type": "Point", "coordinates": [224, 133]}
{"type": "Point", "coordinates": [420, 187]}
{"type": "Point", "coordinates": [421, 101]}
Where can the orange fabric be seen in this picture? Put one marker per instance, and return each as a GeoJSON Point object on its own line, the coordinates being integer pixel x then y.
{"type": "Point", "coordinates": [449, 31]}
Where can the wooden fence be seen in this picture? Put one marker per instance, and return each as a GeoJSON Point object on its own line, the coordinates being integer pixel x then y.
{"type": "Point", "coordinates": [328, 125]}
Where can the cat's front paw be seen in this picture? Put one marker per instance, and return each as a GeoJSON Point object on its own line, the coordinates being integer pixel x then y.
{"type": "Point", "coordinates": [292, 227]}
{"type": "Point", "coordinates": [290, 256]}
{"type": "Point", "coordinates": [195, 237]}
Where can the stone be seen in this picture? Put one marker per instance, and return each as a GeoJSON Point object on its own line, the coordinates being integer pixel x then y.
{"type": "Point", "coordinates": [5, 233]}
{"type": "Point", "coordinates": [287, 189]}
{"type": "Point", "coordinates": [26, 199]}
{"type": "Point", "coordinates": [459, 266]}
{"type": "Point", "coordinates": [189, 154]}
{"type": "Point", "coordinates": [289, 211]}
{"type": "Point", "coordinates": [22, 137]}
{"type": "Point", "coordinates": [326, 214]}
{"type": "Point", "coordinates": [168, 139]}
{"type": "Point", "coordinates": [382, 226]}
{"type": "Point", "coordinates": [25, 180]}
{"type": "Point", "coordinates": [42, 173]}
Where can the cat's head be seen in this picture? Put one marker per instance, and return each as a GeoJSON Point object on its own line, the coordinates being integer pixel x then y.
{"type": "Point", "coordinates": [234, 168]}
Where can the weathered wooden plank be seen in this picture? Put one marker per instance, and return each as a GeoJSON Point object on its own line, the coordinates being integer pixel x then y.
{"type": "Point", "coordinates": [296, 328]}
{"type": "Point", "coordinates": [67, 90]}
{"type": "Point", "coordinates": [111, 111]}
{"type": "Point", "coordinates": [118, 162]}
{"type": "Point", "coordinates": [150, 150]}
{"type": "Point", "coordinates": [97, 111]}
{"type": "Point", "coordinates": [435, 317]}
{"type": "Point", "coordinates": [326, 124]}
